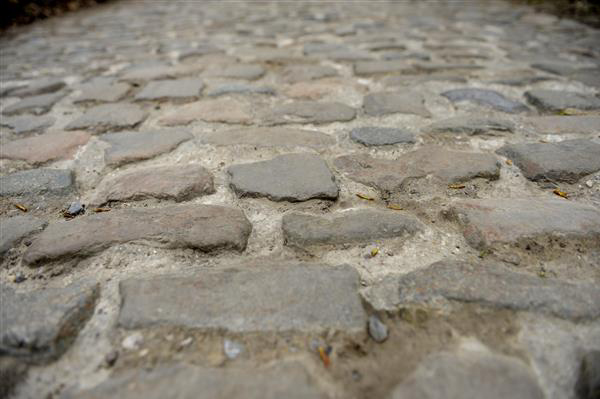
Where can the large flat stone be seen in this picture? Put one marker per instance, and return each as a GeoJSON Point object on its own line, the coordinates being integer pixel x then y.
{"type": "Point", "coordinates": [173, 182]}
{"type": "Point", "coordinates": [222, 110]}
{"type": "Point", "coordinates": [310, 112]}
{"type": "Point", "coordinates": [556, 100]}
{"type": "Point", "coordinates": [105, 117]}
{"type": "Point", "coordinates": [27, 123]}
{"type": "Point", "coordinates": [103, 90]}
{"type": "Point", "coordinates": [498, 287]}
{"type": "Point", "coordinates": [37, 182]}
{"type": "Point", "coordinates": [304, 230]}
{"type": "Point", "coordinates": [488, 222]}
{"type": "Point", "coordinates": [36, 104]}
{"type": "Point", "coordinates": [470, 374]}
{"type": "Point", "coordinates": [270, 137]}
{"type": "Point", "coordinates": [176, 89]}
{"type": "Point", "coordinates": [373, 136]}
{"type": "Point", "coordinates": [302, 73]}
{"type": "Point", "coordinates": [202, 227]}
{"type": "Point", "coordinates": [471, 126]}
{"type": "Point", "coordinates": [45, 147]}
{"type": "Point", "coordinates": [566, 161]}
{"type": "Point", "coordinates": [380, 67]}
{"type": "Point", "coordinates": [486, 97]}
{"type": "Point", "coordinates": [251, 298]}
{"type": "Point", "coordinates": [290, 177]}
{"type": "Point", "coordinates": [15, 228]}
{"type": "Point", "coordinates": [557, 124]}
{"type": "Point", "coordinates": [41, 86]}
{"type": "Point", "coordinates": [378, 104]}
{"type": "Point", "coordinates": [444, 166]}
{"type": "Point", "coordinates": [128, 147]}
{"type": "Point", "coordinates": [239, 71]}
{"type": "Point", "coordinates": [41, 325]}
{"type": "Point", "coordinates": [182, 381]}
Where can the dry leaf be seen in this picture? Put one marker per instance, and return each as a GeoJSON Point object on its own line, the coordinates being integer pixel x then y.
{"type": "Point", "coordinates": [374, 252]}
{"type": "Point", "coordinates": [20, 207]}
{"type": "Point", "coordinates": [395, 207]}
{"type": "Point", "coordinates": [98, 210]}
{"type": "Point", "coordinates": [365, 197]}
{"type": "Point", "coordinates": [324, 356]}
{"type": "Point", "coordinates": [560, 193]}
{"type": "Point", "coordinates": [456, 186]}
{"type": "Point", "coordinates": [508, 162]}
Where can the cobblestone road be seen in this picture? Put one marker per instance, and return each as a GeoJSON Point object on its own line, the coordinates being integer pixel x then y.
{"type": "Point", "coordinates": [285, 200]}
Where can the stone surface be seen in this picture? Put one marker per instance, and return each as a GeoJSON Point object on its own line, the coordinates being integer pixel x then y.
{"type": "Point", "coordinates": [557, 100]}
{"type": "Point", "coordinates": [41, 325]}
{"type": "Point", "coordinates": [37, 182]}
{"type": "Point", "coordinates": [378, 104]}
{"type": "Point", "coordinates": [184, 89]}
{"type": "Point", "coordinates": [445, 166]}
{"type": "Point", "coordinates": [565, 161]}
{"type": "Point", "coordinates": [380, 67]}
{"type": "Point", "coordinates": [588, 381]}
{"type": "Point", "coordinates": [496, 286]}
{"type": "Point", "coordinates": [488, 222]}
{"type": "Point", "coordinates": [377, 330]}
{"type": "Point", "coordinates": [303, 230]}
{"type": "Point", "coordinates": [102, 118]}
{"type": "Point", "coordinates": [485, 97]}
{"type": "Point", "coordinates": [103, 90]}
{"type": "Point", "coordinates": [470, 374]}
{"type": "Point", "coordinates": [36, 104]}
{"type": "Point", "coordinates": [177, 182]}
{"type": "Point", "coordinates": [181, 381]}
{"type": "Point", "coordinates": [222, 110]}
{"type": "Point", "coordinates": [42, 86]}
{"type": "Point", "coordinates": [15, 228]}
{"type": "Point", "coordinates": [254, 297]}
{"type": "Point", "coordinates": [240, 88]}
{"type": "Point", "coordinates": [301, 73]}
{"type": "Point", "coordinates": [45, 147]}
{"type": "Point", "coordinates": [554, 124]}
{"type": "Point", "coordinates": [128, 147]}
{"type": "Point", "coordinates": [241, 71]}
{"type": "Point", "coordinates": [202, 227]}
{"type": "Point", "coordinates": [310, 112]}
{"type": "Point", "coordinates": [373, 136]}
{"type": "Point", "coordinates": [27, 123]}
{"type": "Point", "coordinates": [270, 137]}
{"type": "Point", "coordinates": [471, 126]}
{"type": "Point", "coordinates": [290, 177]}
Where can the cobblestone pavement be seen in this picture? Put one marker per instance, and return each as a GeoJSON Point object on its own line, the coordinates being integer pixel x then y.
{"type": "Point", "coordinates": [287, 200]}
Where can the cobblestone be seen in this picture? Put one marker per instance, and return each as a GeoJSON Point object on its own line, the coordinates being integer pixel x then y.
{"type": "Point", "coordinates": [205, 165]}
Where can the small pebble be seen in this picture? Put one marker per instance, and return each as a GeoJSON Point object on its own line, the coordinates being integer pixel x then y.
{"type": "Point", "coordinates": [589, 183]}
{"type": "Point", "coordinates": [133, 341]}
{"type": "Point", "coordinates": [377, 330]}
{"type": "Point", "coordinates": [232, 349]}
{"type": "Point", "coordinates": [111, 358]}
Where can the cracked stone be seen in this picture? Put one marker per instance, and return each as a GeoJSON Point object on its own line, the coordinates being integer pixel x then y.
{"type": "Point", "coordinates": [488, 222]}
{"type": "Point", "coordinates": [373, 136]}
{"type": "Point", "coordinates": [15, 228]}
{"type": "Point", "coordinates": [280, 380]}
{"type": "Point", "coordinates": [175, 89]}
{"type": "Point", "coordinates": [310, 112]}
{"type": "Point", "coordinates": [105, 117]}
{"type": "Point", "coordinates": [222, 110]}
{"type": "Point", "coordinates": [303, 230]}
{"type": "Point", "coordinates": [565, 161]}
{"type": "Point", "coordinates": [471, 126]}
{"type": "Point", "coordinates": [290, 177]}
{"type": "Point", "coordinates": [51, 322]}
{"type": "Point", "coordinates": [252, 298]}
{"type": "Point", "coordinates": [556, 100]}
{"type": "Point", "coordinates": [128, 147]}
{"type": "Point", "coordinates": [36, 104]}
{"type": "Point", "coordinates": [270, 137]}
{"type": "Point", "coordinates": [173, 182]}
{"type": "Point", "coordinates": [494, 286]}
{"type": "Point", "coordinates": [486, 97]}
{"type": "Point", "coordinates": [445, 166]}
{"type": "Point", "coordinates": [202, 227]}
{"type": "Point", "coordinates": [45, 147]}
{"type": "Point", "coordinates": [470, 373]}
{"type": "Point", "coordinates": [378, 104]}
